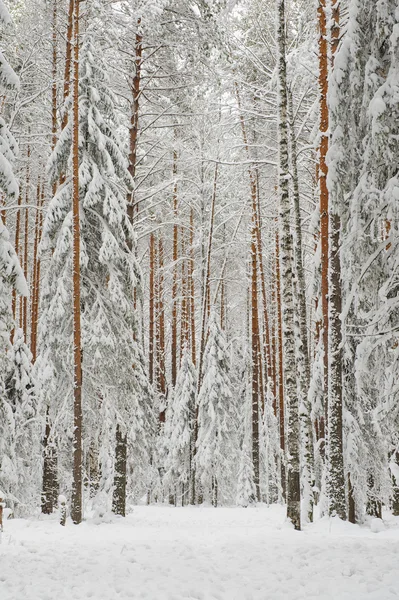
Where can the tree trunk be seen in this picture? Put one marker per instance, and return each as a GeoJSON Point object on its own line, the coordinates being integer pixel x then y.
{"type": "Point", "coordinates": [161, 331]}
{"type": "Point", "coordinates": [335, 456]}
{"type": "Point", "coordinates": [16, 246]}
{"type": "Point", "coordinates": [119, 494]}
{"type": "Point", "coordinates": [54, 125]}
{"type": "Point", "coordinates": [204, 313]}
{"type": "Point", "coordinates": [134, 117]}
{"type": "Point", "coordinates": [49, 481]}
{"type": "Point", "coordinates": [293, 458]}
{"type": "Point", "coordinates": [26, 269]}
{"type": "Point", "coordinates": [280, 370]}
{"type": "Point", "coordinates": [68, 59]}
{"type": "Point", "coordinates": [303, 365]}
{"type": "Point", "coordinates": [255, 348]}
{"type": "Point", "coordinates": [192, 290]}
{"type": "Point", "coordinates": [151, 310]}
{"type": "Point", "coordinates": [76, 508]}
{"type": "Point", "coordinates": [323, 170]}
{"type": "Point", "coordinates": [175, 276]}
{"type": "Point", "coordinates": [36, 271]}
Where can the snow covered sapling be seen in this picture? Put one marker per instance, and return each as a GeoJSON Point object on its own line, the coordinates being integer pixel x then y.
{"type": "Point", "coordinates": [217, 436]}
{"type": "Point", "coordinates": [179, 428]}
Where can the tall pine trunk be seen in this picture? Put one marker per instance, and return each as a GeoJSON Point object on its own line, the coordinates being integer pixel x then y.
{"type": "Point", "coordinates": [175, 275]}
{"type": "Point", "coordinates": [323, 190]}
{"type": "Point", "coordinates": [76, 508]}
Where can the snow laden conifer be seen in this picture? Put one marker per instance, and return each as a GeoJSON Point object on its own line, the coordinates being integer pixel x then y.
{"type": "Point", "coordinates": [116, 392]}
{"type": "Point", "coordinates": [246, 492]}
{"type": "Point", "coordinates": [364, 186]}
{"type": "Point", "coordinates": [22, 445]}
{"type": "Point", "coordinates": [217, 437]}
{"type": "Point", "coordinates": [11, 275]}
{"type": "Point", "coordinates": [178, 430]}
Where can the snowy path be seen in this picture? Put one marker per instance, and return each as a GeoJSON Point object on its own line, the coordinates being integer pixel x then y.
{"type": "Point", "coordinates": [162, 553]}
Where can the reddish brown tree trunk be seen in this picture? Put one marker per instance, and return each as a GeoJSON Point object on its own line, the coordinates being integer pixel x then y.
{"type": "Point", "coordinates": [175, 276]}
{"type": "Point", "coordinates": [76, 509]}
{"type": "Point", "coordinates": [134, 116]}
{"type": "Point", "coordinates": [36, 272]}
{"type": "Point", "coordinates": [192, 290]}
{"type": "Point", "coordinates": [68, 59]}
{"type": "Point", "coordinates": [151, 310]}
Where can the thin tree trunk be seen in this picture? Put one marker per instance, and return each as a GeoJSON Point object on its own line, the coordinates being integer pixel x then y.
{"type": "Point", "coordinates": [255, 347]}
{"type": "Point", "coordinates": [54, 125]}
{"type": "Point", "coordinates": [335, 462]}
{"type": "Point", "coordinates": [36, 271]}
{"type": "Point", "coordinates": [204, 314]}
{"type": "Point", "coordinates": [335, 456]}
{"type": "Point", "coordinates": [68, 59]}
{"type": "Point", "coordinates": [184, 320]}
{"type": "Point", "coordinates": [161, 330]}
{"type": "Point", "coordinates": [49, 481]}
{"type": "Point", "coordinates": [134, 117]}
{"type": "Point", "coordinates": [151, 310]}
{"type": "Point", "coordinates": [16, 246]}
{"type": "Point", "coordinates": [280, 369]}
{"type": "Point", "coordinates": [175, 275]}
{"type": "Point", "coordinates": [323, 170]}
{"type": "Point", "coordinates": [26, 269]}
{"type": "Point", "coordinates": [192, 290]}
{"type": "Point", "coordinates": [301, 317]}
{"type": "Point", "coordinates": [119, 493]}
{"type": "Point", "coordinates": [76, 508]}
{"type": "Point", "coordinates": [253, 179]}
{"type": "Point", "coordinates": [293, 458]}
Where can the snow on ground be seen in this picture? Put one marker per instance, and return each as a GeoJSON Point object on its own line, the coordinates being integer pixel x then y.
{"type": "Point", "coordinates": [199, 553]}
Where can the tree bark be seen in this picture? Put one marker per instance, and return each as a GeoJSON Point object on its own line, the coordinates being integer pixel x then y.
{"type": "Point", "coordinates": [151, 310]}
{"type": "Point", "coordinates": [175, 275]}
{"type": "Point", "coordinates": [120, 478]}
{"type": "Point", "coordinates": [76, 508]}
{"type": "Point", "coordinates": [293, 458]}
{"type": "Point", "coordinates": [49, 481]}
{"type": "Point", "coordinates": [192, 290]}
{"type": "Point", "coordinates": [323, 190]}
{"type": "Point", "coordinates": [68, 59]}
{"type": "Point", "coordinates": [280, 369]}
{"type": "Point", "coordinates": [36, 271]}
{"type": "Point", "coordinates": [335, 456]}
{"type": "Point", "coordinates": [301, 319]}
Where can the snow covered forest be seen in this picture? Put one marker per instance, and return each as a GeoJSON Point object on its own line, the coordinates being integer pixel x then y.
{"type": "Point", "coordinates": [199, 257]}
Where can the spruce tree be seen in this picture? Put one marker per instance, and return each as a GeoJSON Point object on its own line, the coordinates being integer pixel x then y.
{"type": "Point", "coordinates": [179, 428]}
{"type": "Point", "coordinates": [116, 392]}
{"type": "Point", "coordinates": [216, 442]}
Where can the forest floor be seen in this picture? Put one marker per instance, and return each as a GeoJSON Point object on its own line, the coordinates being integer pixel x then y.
{"type": "Point", "coordinates": [199, 553]}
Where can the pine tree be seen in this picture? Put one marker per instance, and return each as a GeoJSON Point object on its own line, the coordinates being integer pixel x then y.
{"type": "Point", "coordinates": [115, 382]}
